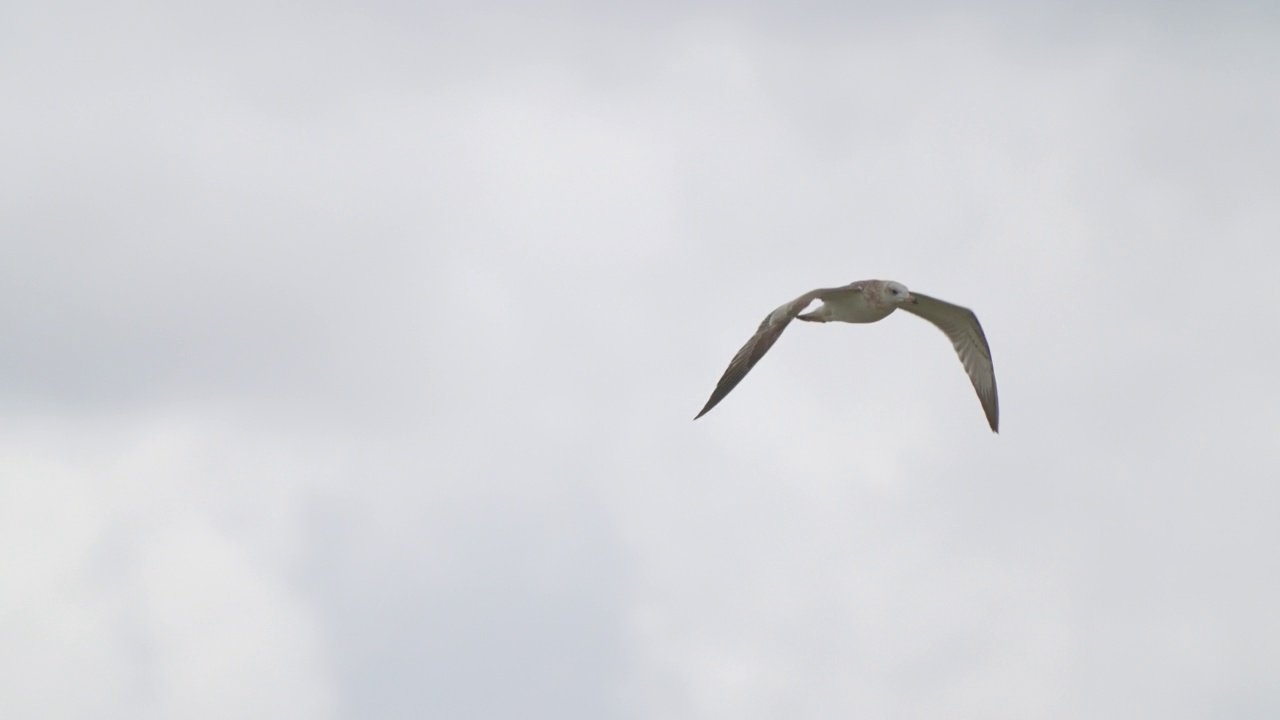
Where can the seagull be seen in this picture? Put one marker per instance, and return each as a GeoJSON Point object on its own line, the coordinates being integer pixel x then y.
{"type": "Point", "coordinates": [868, 301]}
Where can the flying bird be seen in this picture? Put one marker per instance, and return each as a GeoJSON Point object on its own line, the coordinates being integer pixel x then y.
{"type": "Point", "coordinates": [868, 301]}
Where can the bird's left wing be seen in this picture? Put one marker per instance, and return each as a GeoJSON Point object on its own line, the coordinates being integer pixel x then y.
{"type": "Point", "coordinates": [961, 326]}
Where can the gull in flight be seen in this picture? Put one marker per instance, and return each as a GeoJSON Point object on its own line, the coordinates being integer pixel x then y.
{"type": "Point", "coordinates": [868, 301]}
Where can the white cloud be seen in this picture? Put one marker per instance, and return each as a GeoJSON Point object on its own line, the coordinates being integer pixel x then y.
{"type": "Point", "coordinates": [140, 587]}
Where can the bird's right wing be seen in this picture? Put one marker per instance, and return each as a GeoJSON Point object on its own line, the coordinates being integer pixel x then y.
{"type": "Point", "coordinates": [766, 335]}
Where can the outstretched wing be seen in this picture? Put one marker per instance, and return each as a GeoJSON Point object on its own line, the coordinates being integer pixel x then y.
{"type": "Point", "coordinates": [766, 335]}
{"type": "Point", "coordinates": [965, 332]}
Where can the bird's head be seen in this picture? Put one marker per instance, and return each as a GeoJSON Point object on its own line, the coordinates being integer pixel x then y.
{"type": "Point", "coordinates": [895, 293]}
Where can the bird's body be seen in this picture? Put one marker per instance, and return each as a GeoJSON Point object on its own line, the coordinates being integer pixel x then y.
{"type": "Point", "coordinates": [851, 305]}
{"type": "Point", "coordinates": [868, 301]}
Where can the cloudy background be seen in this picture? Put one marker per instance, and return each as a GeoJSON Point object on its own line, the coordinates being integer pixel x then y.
{"type": "Point", "coordinates": [348, 356]}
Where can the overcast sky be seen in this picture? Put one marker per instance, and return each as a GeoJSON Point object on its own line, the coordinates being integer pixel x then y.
{"type": "Point", "coordinates": [349, 351]}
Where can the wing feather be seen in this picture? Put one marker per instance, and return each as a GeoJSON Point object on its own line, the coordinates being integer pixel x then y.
{"type": "Point", "coordinates": [961, 326]}
{"type": "Point", "coordinates": [766, 335]}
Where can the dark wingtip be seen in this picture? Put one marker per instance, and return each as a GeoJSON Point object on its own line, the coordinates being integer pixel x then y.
{"type": "Point", "coordinates": [711, 402]}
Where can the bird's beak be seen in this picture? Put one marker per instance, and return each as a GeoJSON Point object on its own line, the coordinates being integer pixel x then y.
{"type": "Point", "coordinates": [913, 299]}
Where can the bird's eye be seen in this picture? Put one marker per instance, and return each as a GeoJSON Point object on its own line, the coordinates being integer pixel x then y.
{"type": "Point", "coordinates": [893, 290]}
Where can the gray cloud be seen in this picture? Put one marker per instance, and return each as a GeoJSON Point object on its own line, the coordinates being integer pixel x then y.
{"type": "Point", "coordinates": [347, 358]}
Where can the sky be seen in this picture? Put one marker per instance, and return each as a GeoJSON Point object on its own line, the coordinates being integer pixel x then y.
{"type": "Point", "coordinates": [349, 354]}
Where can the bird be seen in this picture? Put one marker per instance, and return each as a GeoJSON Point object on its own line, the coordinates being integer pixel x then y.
{"type": "Point", "coordinates": [868, 301]}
